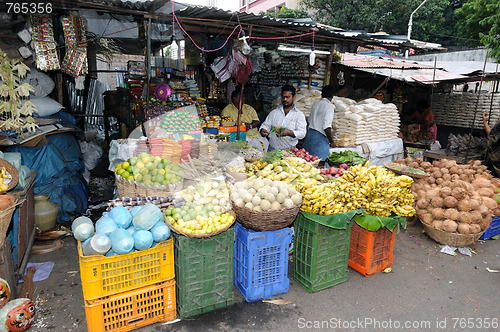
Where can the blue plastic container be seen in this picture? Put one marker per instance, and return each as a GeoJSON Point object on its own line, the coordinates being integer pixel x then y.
{"type": "Point", "coordinates": [493, 230]}
{"type": "Point", "coordinates": [261, 262]}
{"type": "Point", "coordinates": [213, 131]}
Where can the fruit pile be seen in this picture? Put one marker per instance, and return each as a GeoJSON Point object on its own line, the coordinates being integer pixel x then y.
{"type": "Point", "coordinates": [3, 175]}
{"type": "Point", "coordinates": [264, 194]}
{"type": "Point", "coordinates": [302, 153]}
{"type": "Point", "coordinates": [289, 170]}
{"type": "Point", "coordinates": [201, 209]}
{"type": "Point", "coordinates": [121, 231]}
{"type": "Point", "coordinates": [372, 188]}
{"type": "Point", "coordinates": [150, 170]}
{"type": "Point", "coordinates": [180, 121]}
{"type": "Point", "coordinates": [334, 171]}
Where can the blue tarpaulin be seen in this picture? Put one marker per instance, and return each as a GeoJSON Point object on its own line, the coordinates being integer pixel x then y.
{"type": "Point", "coordinates": [60, 167]}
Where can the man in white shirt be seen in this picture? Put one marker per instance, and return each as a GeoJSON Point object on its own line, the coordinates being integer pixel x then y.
{"type": "Point", "coordinates": [289, 123]}
{"type": "Point", "coordinates": [319, 137]}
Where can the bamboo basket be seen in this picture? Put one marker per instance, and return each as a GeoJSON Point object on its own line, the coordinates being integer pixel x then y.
{"type": "Point", "coordinates": [127, 188]}
{"type": "Point", "coordinates": [5, 219]}
{"type": "Point", "coordinates": [262, 221]}
{"type": "Point", "coordinates": [452, 239]}
{"type": "Point", "coordinates": [199, 236]}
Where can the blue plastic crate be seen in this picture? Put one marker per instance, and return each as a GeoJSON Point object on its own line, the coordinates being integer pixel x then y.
{"type": "Point", "coordinates": [261, 262]}
{"type": "Point", "coordinates": [493, 230]}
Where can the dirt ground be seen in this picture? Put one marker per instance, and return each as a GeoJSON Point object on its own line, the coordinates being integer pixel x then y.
{"type": "Point", "coordinates": [427, 290]}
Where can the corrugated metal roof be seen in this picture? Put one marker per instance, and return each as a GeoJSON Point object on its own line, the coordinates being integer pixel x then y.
{"type": "Point", "coordinates": [361, 61]}
{"type": "Point", "coordinates": [140, 5]}
{"type": "Point", "coordinates": [422, 75]}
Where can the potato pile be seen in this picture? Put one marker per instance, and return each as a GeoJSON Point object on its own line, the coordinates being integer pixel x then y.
{"type": "Point", "coordinates": [455, 198]}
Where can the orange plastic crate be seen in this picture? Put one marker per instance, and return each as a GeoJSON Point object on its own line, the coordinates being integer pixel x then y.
{"type": "Point", "coordinates": [371, 252]}
{"type": "Point", "coordinates": [102, 276]}
{"type": "Point", "coordinates": [131, 310]}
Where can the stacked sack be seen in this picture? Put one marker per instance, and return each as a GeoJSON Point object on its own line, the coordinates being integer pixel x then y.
{"type": "Point", "coordinates": [364, 122]}
{"type": "Point", "coordinates": [121, 231]}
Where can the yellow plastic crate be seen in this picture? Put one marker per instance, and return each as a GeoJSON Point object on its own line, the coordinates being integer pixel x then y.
{"type": "Point", "coordinates": [131, 310]}
{"type": "Point", "coordinates": [102, 276]}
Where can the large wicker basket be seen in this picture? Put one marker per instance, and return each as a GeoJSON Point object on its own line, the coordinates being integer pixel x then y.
{"type": "Point", "coordinates": [199, 236]}
{"type": "Point", "coordinates": [262, 221]}
{"type": "Point", "coordinates": [452, 239]}
{"type": "Point", "coordinates": [127, 188]}
{"type": "Point", "coordinates": [5, 219]}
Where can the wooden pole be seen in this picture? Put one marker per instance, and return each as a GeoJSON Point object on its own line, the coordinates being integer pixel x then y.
{"type": "Point", "coordinates": [328, 72]}
{"type": "Point", "coordinates": [240, 111]}
{"type": "Point", "coordinates": [476, 107]}
{"type": "Point", "coordinates": [493, 94]}
{"type": "Point", "coordinates": [148, 76]}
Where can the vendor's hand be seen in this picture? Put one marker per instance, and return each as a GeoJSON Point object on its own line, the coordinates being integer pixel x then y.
{"type": "Point", "coordinates": [486, 116]}
{"type": "Point", "coordinates": [248, 125]}
{"type": "Point", "coordinates": [333, 145]}
{"type": "Point", "coordinates": [264, 132]}
{"type": "Point", "coordinates": [287, 132]}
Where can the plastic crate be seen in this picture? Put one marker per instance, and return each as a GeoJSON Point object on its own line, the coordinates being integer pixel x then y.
{"type": "Point", "coordinates": [261, 262]}
{"type": "Point", "coordinates": [320, 254]}
{"type": "Point", "coordinates": [133, 309]}
{"type": "Point", "coordinates": [102, 276]}
{"type": "Point", "coordinates": [492, 230]}
{"type": "Point", "coordinates": [371, 252]}
{"type": "Point", "coordinates": [204, 273]}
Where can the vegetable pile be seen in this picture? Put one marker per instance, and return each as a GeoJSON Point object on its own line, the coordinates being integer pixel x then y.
{"type": "Point", "coordinates": [371, 188]}
{"type": "Point", "coordinates": [302, 153]}
{"type": "Point", "coordinates": [348, 157]}
{"type": "Point", "coordinates": [334, 171]}
{"type": "Point", "coordinates": [201, 209]}
{"type": "Point", "coordinates": [290, 170]}
{"type": "Point", "coordinates": [264, 195]}
{"type": "Point", "coordinates": [455, 198]}
{"type": "Point", "coordinates": [150, 170]}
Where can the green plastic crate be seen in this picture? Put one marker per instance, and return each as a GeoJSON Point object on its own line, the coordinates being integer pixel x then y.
{"type": "Point", "coordinates": [321, 254]}
{"type": "Point", "coordinates": [204, 273]}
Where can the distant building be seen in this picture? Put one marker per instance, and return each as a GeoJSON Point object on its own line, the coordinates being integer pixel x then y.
{"type": "Point", "coordinates": [256, 6]}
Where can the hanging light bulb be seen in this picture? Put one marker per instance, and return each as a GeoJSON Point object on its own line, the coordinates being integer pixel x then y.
{"type": "Point", "coordinates": [245, 48]}
{"type": "Point", "coordinates": [312, 57]}
{"type": "Point", "coordinates": [174, 49]}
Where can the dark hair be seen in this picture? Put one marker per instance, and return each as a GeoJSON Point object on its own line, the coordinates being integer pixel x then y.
{"type": "Point", "coordinates": [422, 105]}
{"type": "Point", "coordinates": [235, 94]}
{"type": "Point", "coordinates": [288, 87]}
{"type": "Point", "coordinates": [328, 91]}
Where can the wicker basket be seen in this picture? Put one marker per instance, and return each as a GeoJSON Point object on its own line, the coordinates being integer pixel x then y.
{"type": "Point", "coordinates": [11, 172]}
{"type": "Point", "coordinates": [393, 167]}
{"type": "Point", "coordinates": [451, 239]}
{"type": "Point", "coordinates": [127, 188]}
{"type": "Point", "coordinates": [252, 160]}
{"type": "Point", "coordinates": [199, 236]}
{"type": "Point", "coordinates": [236, 176]}
{"type": "Point", "coordinates": [262, 221]}
{"type": "Point", "coordinates": [5, 218]}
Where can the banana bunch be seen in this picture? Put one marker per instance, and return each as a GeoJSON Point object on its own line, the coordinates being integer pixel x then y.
{"type": "Point", "coordinates": [329, 198]}
{"type": "Point", "coordinates": [383, 192]}
{"type": "Point", "coordinates": [256, 166]}
{"type": "Point", "coordinates": [3, 175]}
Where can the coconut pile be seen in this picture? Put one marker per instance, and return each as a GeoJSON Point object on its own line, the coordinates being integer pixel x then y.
{"type": "Point", "coordinates": [455, 198]}
{"type": "Point", "coordinates": [364, 122]}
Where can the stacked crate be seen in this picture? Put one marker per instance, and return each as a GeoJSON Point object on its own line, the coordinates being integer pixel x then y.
{"type": "Point", "coordinates": [125, 292]}
{"type": "Point", "coordinates": [204, 273]}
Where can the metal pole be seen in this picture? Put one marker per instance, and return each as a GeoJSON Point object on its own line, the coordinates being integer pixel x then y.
{"type": "Point", "coordinates": [410, 24]}
{"type": "Point", "coordinates": [240, 111]}
{"type": "Point", "coordinates": [475, 108]}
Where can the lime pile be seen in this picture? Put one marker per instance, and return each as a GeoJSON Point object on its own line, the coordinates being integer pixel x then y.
{"type": "Point", "coordinates": [150, 170]}
{"type": "Point", "coordinates": [180, 121]}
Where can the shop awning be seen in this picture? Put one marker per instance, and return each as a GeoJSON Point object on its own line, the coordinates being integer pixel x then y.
{"type": "Point", "coordinates": [398, 69]}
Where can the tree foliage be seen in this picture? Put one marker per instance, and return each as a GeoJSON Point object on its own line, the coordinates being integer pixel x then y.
{"type": "Point", "coordinates": [430, 22]}
{"type": "Point", "coordinates": [286, 13]}
{"type": "Point", "coordinates": [479, 23]}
